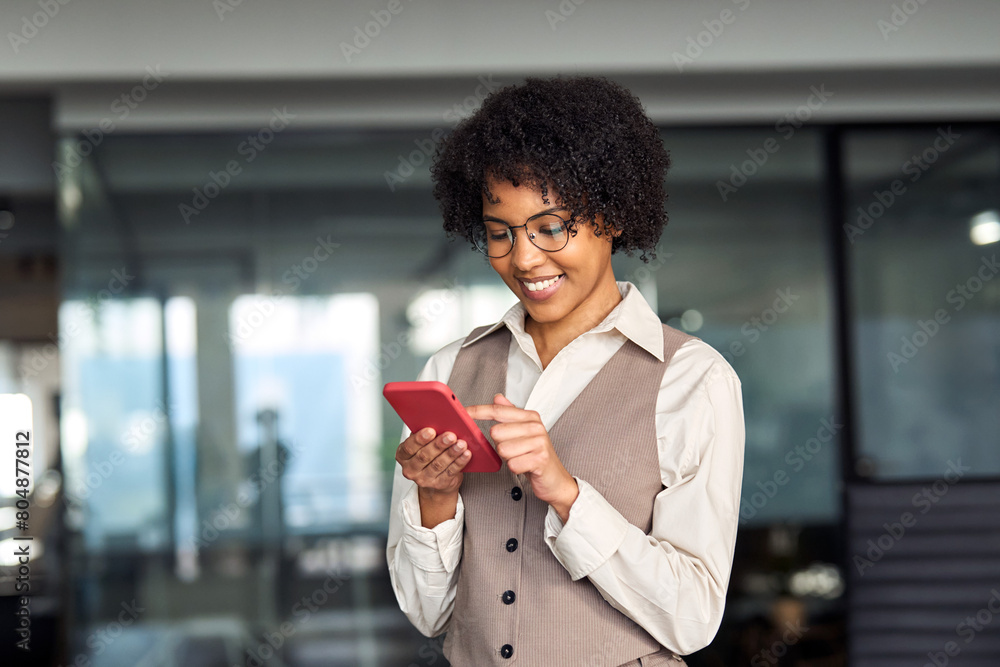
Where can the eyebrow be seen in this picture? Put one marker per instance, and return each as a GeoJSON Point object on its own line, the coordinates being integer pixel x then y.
{"type": "Point", "coordinates": [551, 209]}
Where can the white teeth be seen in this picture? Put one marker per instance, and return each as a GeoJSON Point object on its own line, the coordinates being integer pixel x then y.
{"type": "Point", "coordinates": [534, 287]}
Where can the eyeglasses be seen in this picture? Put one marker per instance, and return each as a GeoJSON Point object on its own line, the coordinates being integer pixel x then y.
{"type": "Point", "coordinates": [546, 231]}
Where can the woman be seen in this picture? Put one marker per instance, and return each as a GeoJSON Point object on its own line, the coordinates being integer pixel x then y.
{"type": "Point", "coordinates": [607, 536]}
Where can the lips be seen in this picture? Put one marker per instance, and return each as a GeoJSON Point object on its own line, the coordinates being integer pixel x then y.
{"type": "Point", "coordinates": [540, 288]}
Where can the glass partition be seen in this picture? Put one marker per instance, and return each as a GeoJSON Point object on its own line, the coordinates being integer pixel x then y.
{"type": "Point", "coordinates": [744, 268]}
{"type": "Point", "coordinates": [229, 323]}
{"type": "Point", "coordinates": [922, 228]}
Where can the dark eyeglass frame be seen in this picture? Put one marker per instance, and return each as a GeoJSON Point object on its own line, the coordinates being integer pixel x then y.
{"type": "Point", "coordinates": [513, 236]}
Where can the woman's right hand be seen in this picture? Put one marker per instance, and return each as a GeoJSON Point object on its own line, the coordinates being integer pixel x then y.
{"type": "Point", "coordinates": [435, 463]}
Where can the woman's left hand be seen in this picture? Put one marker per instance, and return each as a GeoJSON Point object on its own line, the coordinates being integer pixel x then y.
{"type": "Point", "coordinates": [523, 442]}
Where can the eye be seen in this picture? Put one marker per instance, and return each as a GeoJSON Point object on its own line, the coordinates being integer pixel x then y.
{"type": "Point", "coordinates": [553, 227]}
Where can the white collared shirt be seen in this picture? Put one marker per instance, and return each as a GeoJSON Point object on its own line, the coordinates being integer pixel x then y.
{"type": "Point", "coordinates": [689, 551]}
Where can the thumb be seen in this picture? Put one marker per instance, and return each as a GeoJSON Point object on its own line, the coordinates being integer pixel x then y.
{"type": "Point", "coordinates": [500, 399]}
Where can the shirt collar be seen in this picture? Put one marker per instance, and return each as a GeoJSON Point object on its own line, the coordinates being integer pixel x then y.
{"type": "Point", "coordinates": [633, 318]}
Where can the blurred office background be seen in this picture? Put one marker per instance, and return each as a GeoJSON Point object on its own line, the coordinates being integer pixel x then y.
{"type": "Point", "coordinates": [218, 241]}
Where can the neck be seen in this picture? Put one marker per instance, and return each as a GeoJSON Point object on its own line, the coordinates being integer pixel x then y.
{"type": "Point", "coordinates": [551, 337]}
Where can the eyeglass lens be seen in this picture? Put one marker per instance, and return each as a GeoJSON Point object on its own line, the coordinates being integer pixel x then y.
{"type": "Point", "coordinates": [547, 232]}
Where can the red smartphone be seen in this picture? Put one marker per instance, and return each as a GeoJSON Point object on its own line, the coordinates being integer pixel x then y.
{"type": "Point", "coordinates": [423, 404]}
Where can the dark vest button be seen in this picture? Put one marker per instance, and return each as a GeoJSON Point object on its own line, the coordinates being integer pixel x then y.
{"type": "Point", "coordinates": [512, 544]}
{"type": "Point", "coordinates": [515, 493]}
{"type": "Point", "coordinates": [506, 650]}
{"type": "Point", "coordinates": [508, 597]}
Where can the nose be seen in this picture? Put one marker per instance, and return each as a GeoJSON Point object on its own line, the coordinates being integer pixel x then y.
{"type": "Point", "coordinates": [525, 255]}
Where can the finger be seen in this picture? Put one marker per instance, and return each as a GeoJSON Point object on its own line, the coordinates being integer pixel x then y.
{"type": "Point", "coordinates": [458, 464]}
{"type": "Point", "coordinates": [524, 456]}
{"type": "Point", "coordinates": [500, 413]}
{"type": "Point", "coordinates": [409, 447]}
{"type": "Point", "coordinates": [443, 461]}
{"type": "Point", "coordinates": [523, 464]}
{"type": "Point", "coordinates": [500, 399]}
{"type": "Point", "coordinates": [509, 430]}
{"type": "Point", "coordinates": [480, 411]}
{"type": "Point", "coordinates": [433, 449]}
{"type": "Point", "coordinates": [515, 447]}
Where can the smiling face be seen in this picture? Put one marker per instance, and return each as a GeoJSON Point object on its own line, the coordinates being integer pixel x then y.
{"type": "Point", "coordinates": [574, 286]}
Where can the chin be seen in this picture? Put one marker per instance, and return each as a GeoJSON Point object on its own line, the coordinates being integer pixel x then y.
{"type": "Point", "coordinates": [543, 312]}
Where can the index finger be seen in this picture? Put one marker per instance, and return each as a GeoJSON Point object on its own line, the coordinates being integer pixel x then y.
{"type": "Point", "coordinates": [495, 412]}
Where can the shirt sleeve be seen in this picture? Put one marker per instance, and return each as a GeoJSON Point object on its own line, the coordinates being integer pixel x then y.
{"type": "Point", "coordinates": [424, 562]}
{"type": "Point", "coordinates": [672, 581]}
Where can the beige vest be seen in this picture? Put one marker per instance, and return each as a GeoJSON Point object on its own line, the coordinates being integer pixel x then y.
{"type": "Point", "coordinates": [515, 602]}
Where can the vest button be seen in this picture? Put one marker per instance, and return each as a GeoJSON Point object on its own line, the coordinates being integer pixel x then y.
{"type": "Point", "coordinates": [508, 597]}
{"type": "Point", "coordinates": [512, 544]}
{"type": "Point", "coordinates": [515, 493]}
{"type": "Point", "coordinates": [506, 650]}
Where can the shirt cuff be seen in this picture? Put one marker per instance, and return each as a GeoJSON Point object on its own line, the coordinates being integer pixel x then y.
{"type": "Point", "coordinates": [591, 535]}
{"type": "Point", "coordinates": [431, 549]}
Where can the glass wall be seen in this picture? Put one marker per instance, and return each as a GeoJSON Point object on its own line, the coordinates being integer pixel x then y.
{"type": "Point", "coordinates": [745, 269]}
{"type": "Point", "coordinates": [231, 313]}
{"type": "Point", "coordinates": [923, 221]}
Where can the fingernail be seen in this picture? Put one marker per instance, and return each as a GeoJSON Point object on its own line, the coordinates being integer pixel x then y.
{"type": "Point", "coordinates": [449, 438]}
{"type": "Point", "coordinates": [459, 446]}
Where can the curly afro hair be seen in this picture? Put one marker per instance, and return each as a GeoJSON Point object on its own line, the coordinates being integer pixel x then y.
{"type": "Point", "coordinates": [588, 136]}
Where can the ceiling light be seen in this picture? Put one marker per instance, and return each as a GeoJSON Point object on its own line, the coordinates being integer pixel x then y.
{"type": "Point", "coordinates": [984, 227]}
